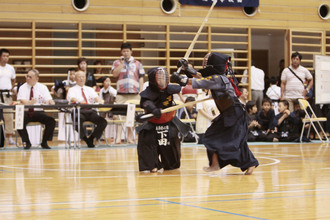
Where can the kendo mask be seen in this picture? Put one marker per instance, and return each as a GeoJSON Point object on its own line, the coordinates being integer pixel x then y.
{"type": "Point", "coordinates": [158, 78]}
{"type": "Point", "coordinates": [217, 63]}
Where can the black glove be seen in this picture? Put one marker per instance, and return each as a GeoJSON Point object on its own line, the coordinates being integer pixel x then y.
{"type": "Point", "coordinates": [189, 71]}
{"type": "Point", "coordinates": [157, 112]}
{"type": "Point", "coordinates": [183, 62]}
{"type": "Point", "coordinates": [139, 118]}
{"type": "Point", "coordinates": [176, 78]}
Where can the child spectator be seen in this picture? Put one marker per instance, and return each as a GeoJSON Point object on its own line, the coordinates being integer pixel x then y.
{"type": "Point", "coordinates": [255, 133]}
{"type": "Point", "coordinates": [266, 116]}
{"type": "Point", "coordinates": [192, 114]}
{"type": "Point", "coordinates": [108, 95]}
{"type": "Point", "coordinates": [244, 96]}
{"type": "Point", "coordinates": [285, 124]}
{"type": "Point", "coordinates": [191, 110]}
{"type": "Point", "coordinates": [61, 88]}
{"type": "Point", "coordinates": [274, 93]}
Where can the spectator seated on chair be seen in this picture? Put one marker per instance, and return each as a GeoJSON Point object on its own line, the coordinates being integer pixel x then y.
{"type": "Point", "coordinates": [30, 93]}
{"type": "Point", "coordinates": [108, 95]}
{"type": "Point", "coordinates": [87, 95]}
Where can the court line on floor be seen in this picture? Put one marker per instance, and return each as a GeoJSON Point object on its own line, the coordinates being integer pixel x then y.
{"type": "Point", "coordinates": [169, 197]}
{"type": "Point", "coordinates": [277, 154]}
{"type": "Point", "coordinates": [153, 204]}
{"type": "Point", "coordinates": [133, 146]}
{"type": "Point", "coordinates": [278, 197]}
{"type": "Point", "coordinates": [276, 161]}
{"type": "Point", "coordinates": [6, 171]}
{"type": "Point", "coordinates": [175, 175]}
{"type": "Point", "coordinates": [298, 184]}
{"type": "Point", "coordinates": [32, 178]}
{"type": "Point", "coordinates": [209, 209]}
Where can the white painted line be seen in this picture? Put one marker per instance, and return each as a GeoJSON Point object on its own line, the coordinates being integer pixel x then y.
{"type": "Point", "coordinates": [276, 161]}
{"type": "Point", "coordinates": [167, 198]}
{"type": "Point", "coordinates": [298, 184]}
{"type": "Point", "coordinates": [23, 178]}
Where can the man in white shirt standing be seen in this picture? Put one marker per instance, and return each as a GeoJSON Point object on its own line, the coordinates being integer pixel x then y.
{"type": "Point", "coordinates": [291, 86]}
{"type": "Point", "coordinates": [7, 82]}
{"type": "Point", "coordinates": [87, 95]}
{"type": "Point", "coordinates": [32, 93]}
{"type": "Point", "coordinates": [257, 84]}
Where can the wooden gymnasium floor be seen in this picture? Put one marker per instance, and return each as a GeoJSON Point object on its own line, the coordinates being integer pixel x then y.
{"type": "Point", "coordinates": [292, 182]}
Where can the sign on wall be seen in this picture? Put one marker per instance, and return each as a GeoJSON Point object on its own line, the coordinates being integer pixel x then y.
{"type": "Point", "coordinates": [222, 3]}
{"type": "Point", "coordinates": [322, 79]}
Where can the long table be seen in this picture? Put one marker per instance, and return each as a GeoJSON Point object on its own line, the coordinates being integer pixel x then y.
{"type": "Point", "coordinates": [117, 109]}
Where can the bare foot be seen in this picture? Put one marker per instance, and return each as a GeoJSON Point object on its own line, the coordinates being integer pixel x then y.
{"type": "Point", "coordinates": [161, 170]}
{"type": "Point", "coordinates": [154, 170]}
{"type": "Point", "coordinates": [211, 168]}
{"type": "Point", "coordinates": [250, 170]}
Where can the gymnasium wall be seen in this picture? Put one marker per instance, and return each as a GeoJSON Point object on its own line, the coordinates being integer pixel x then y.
{"type": "Point", "coordinates": [51, 35]}
{"type": "Point", "coordinates": [271, 13]}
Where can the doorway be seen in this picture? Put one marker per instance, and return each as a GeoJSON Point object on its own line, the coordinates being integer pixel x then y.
{"type": "Point", "coordinates": [268, 48]}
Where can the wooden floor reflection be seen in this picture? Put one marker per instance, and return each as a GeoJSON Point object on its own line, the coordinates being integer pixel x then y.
{"type": "Point", "coordinates": [292, 182]}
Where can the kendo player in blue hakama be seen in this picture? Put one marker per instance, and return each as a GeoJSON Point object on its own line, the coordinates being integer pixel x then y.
{"type": "Point", "coordinates": [226, 138]}
{"type": "Point", "coordinates": [159, 145]}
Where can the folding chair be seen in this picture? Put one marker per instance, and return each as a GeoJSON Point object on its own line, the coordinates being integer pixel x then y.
{"type": "Point", "coordinates": [121, 122]}
{"type": "Point", "coordinates": [311, 118]}
{"type": "Point", "coordinates": [2, 134]}
{"type": "Point", "coordinates": [37, 136]}
{"type": "Point", "coordinates": [137, 111]}
{"type": "Point", "coordinates": [188, 120]}
{"type": "Point", "coordinates": [69, 130]}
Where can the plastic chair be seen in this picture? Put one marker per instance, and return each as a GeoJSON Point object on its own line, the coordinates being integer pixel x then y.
{"type": "Point", "coordinates": [311, 118]}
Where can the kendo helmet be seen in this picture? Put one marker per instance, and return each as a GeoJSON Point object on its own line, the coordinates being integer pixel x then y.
{"type": "Point", "coordinates": [158, 78]}
{"type": "Point", "coordinates": [217, 63]}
